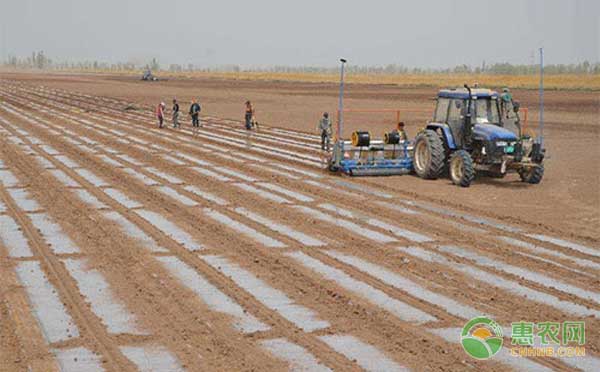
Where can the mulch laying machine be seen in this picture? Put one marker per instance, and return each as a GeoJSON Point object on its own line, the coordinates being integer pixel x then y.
{"type": "Point", "coordinates": [365, 156]}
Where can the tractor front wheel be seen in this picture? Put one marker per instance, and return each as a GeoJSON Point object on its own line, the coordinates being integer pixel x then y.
{"type": "Point", "coordinates": [462, 171]}
{"type": "Point", "coordinates": [429, 155]}
{"type": "Point", "coordinates": [532, 175]}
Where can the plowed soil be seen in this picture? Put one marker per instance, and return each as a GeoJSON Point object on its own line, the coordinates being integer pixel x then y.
{"type": "Point", "coordinates": [390, 262]}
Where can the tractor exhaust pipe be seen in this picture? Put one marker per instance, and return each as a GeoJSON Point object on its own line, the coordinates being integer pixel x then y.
{"type": "Point", "coordinates": [468, 122]}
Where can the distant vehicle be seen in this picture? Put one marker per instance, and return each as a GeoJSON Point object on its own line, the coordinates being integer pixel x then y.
{"type": "Point", "coordinates": [468, 134]}
{"type": "Point", "coordinates": [148, 76]}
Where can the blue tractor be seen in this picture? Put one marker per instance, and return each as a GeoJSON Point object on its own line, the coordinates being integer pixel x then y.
{"type": "Point", "coordinates": [470, 133]}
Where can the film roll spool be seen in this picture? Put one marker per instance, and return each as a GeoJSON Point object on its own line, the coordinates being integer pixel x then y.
{"type": "Point", "coordinates": [361, 138]}
{"type": "Point", "coordinates": [391, 138]}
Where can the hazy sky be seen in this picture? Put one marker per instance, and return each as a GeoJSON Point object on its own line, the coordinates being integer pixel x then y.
{"type": "Point", "coordinates": [303, 32]}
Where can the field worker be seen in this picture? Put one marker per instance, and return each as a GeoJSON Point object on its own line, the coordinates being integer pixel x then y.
{"type": "Point", "coordinates": [195, 114]}
{"type": "Point", "coordinates": [506, 102]}
{"type": "Point", "coordinates": [160, 114]}
{"type": "Point", "coordinates": [175, 114]}
{"type": "Point", "coordinates": [401, 131]}
{"type": "Point", "coordinates": [324, 129]}
{"type": "Point", "coordinates": [249, 115]}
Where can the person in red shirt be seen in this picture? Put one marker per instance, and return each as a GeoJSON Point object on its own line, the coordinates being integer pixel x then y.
{"type": "Point", "coordinates": [160, 114]}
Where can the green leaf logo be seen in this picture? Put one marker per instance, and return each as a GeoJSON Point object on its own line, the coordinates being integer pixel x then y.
{"type": "Point", "coordinates": [482, 338]}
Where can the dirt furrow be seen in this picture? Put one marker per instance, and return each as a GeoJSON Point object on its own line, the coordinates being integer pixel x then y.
{"type": "Point", "coordinates": [522, 222]}
{"type": "Point", "coordinates": [164, 166]}
{"type": "Point", "coordinates": [405, 193]}
{"type": "Point", "coordinates": [22, 345]}
{"type": "Point", "coordinates": [446, 232]}
{"type": "Point", "coordinates": [93, 331]}
{"type": "Point", "coordinates": [295, 336]}
{"type": "Point", "coordinates": [152, 295]}
{"type": "Point", "coordinates": [330, 310]}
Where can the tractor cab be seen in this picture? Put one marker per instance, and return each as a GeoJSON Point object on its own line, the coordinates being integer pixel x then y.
{"type": "Point", "coordinates": [483, 108]}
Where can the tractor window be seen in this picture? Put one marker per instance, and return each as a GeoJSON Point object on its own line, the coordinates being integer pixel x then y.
{"type": "Point", "coordinates": [441, 111]}
{"type": "Point", "coordinates": [457, 112]}
{"type": "Point", "coordinates": [486, 111]}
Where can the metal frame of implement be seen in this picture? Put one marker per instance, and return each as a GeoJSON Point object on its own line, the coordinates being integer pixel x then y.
{"type": "Point", "coordinates": [365, 157]}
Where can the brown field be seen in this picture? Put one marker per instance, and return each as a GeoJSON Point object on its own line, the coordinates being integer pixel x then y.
{"type": "Point", "coordinates": [568, 196]}
{"type": "Point", "coordinates": [588, 82]}
{"type": "Point", "coordinates": [561, 81]}
{"type": "Point", "coordinates": [246, 214]}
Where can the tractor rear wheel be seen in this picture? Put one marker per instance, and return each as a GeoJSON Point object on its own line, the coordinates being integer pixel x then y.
{"type": "Point", "coordinates": [532, 175]}
{"type": "Point", "coordinates": [462, 171]}
{"type": "Point", "coordinates": [429, 155]}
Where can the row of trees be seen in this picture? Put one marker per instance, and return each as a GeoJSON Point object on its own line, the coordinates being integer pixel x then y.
{"type": "Point", "coordinates": [40, 61]}
{"type": "Point", "coordinates": [36, 60]}
{"type": "Point", "coordinates": [393, 69]}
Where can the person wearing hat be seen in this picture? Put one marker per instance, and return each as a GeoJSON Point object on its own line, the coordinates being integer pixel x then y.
{"type": "Point", "coordinates": [324, 129]}
{"type": "Point", "coordinates": [160, 114]}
